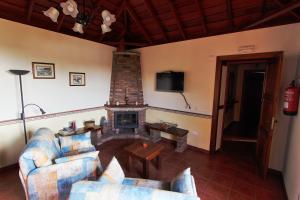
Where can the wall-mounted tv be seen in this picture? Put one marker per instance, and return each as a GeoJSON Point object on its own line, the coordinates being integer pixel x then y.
{"type": "Point", "coordinates": [170, 81]}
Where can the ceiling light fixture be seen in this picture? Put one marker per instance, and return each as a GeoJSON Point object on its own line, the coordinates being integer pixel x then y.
{"type": "Point", "coordinates": [105, 28]}
{"type": "Point", "coordinates": [70, 8]}
{"type": "Point", "coordinates": [78, 28]}
{"type": "Point", "coordinates": [108, 19]}
{"type": "Point", "coordinates": [52, 13]}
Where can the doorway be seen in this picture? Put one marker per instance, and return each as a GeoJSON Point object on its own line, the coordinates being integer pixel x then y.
{"type": "Point", "coordinates": [253, 86]}
{"type": "Point", "coordinates": [245, 87]}
{"type": "Point", "coordinates": [246, 102]}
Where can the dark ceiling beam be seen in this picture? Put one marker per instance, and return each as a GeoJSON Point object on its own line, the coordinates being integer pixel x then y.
{"type": "Point", "coordinates": [60, 23]}
{"type": "Point", "coordinates": [30, 9]}
{"type": "Point", "coordinates": [230, 13]}
{"type": "Point", "coordinates": [121, 37]}
{"type": "Point", "coordinates": [263, 7]}
{"type": "Point", "coordinates": [118, 14]}
{"type": "Point", "coordinates": [122, 34]}
{"type": "Point", "coordinates": [287, 8]}
{"type": "Point", "coordinates": [151, 10]}
{"type": "Point", "coordinates": [179, 25]}
{"type": "Point", "coordinates": [203, 19]}
{"type": "Point", "coordinates": [94, 11]}
{"type": "Point", "coordinates": [92, 3]}
{"type": "Point", "coordinates": [121, 45]}
{"type": "Point", "coordinates": [297, 16]}
{"type": "Point", "coordinates": [137, 44]}
{"type": "Point", "coordinates": [135, 18]}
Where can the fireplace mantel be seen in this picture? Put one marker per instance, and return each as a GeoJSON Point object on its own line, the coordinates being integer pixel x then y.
{"type": "Point", "coordinates": [126, 107]}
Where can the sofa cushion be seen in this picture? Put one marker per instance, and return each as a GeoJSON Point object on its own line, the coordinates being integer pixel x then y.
{"type": "Point", "coordinates": [93, 154]}
{"type": "Point", "coordinates": [113, 173]}
{"type": "Point", "coordinates": [146, 183]}
{"type": "Point", "coordinates": [184, 183]}
{"type": "Point", "coordinates": [75, 142]}
{"type": "Point", "coordinates": [79, 151]}
{"type": "Point", "coordinates": [90, 190]}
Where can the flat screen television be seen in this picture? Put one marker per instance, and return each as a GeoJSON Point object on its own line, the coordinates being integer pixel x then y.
{"type": "Point", "coordinates": [170, 81]}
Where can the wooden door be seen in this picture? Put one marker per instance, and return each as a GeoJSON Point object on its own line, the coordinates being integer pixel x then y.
{"type": "Point", "coordinates": [221, 106]}
{"type": "Point", "coordinates": [269, 109]}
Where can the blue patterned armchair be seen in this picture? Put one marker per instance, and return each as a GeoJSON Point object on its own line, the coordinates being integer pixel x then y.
{"type": "Point", "coordinates": [113, 185]}
{"type": "Point", "coordinates": [49, 166]}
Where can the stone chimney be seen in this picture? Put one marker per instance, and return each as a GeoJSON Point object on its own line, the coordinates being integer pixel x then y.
{"type": "Point", "coordinates": [126, 112]}
{"type": "Point", "coordinates": [126, 79]}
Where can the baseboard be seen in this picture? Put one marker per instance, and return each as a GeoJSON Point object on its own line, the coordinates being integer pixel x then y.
{"type": "Point", "coordinates": [9, 167]}
{"type": "Point", "coordinates": [275, 172]}
{"type": "Point", "coordinates": [189, 146]}
{"type": "Point", "coordinates": [198, 149]}
{"type": "Point", "coordinates": [280, 175]}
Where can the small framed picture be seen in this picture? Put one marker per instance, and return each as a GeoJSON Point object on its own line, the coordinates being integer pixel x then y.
{"type": "Point", "coordinates": [43, 70]}
{"type": "Point", "coordinates": [77, 79]}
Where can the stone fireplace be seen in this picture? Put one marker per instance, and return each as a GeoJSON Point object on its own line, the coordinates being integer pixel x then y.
{"type": "Point", "coordinates": [125, 120]}
{"type": "Point", "coordinates": [126, 111]}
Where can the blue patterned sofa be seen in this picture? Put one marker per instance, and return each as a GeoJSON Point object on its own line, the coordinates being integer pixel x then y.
{"type": "Point", "coordinates": [113, 185]}
{"type": "Point", "coordinates": [49, 166]}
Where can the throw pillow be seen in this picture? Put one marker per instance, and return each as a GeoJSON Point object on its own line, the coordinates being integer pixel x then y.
{"type": "Point", "coordinates": [41, 148]}
{"type": "Point", "coordinates": [113, 173]}
{"type": "Point", "coordinates": [75, 142]}
{"type": "Point", "coordinates": [39, 157]}
{"type": "Point", "coordinates": [184, 183]}
{"type": "Point", "coordinates": [93, 154]}
{"type": "Point", "coordinates": [47, 135]}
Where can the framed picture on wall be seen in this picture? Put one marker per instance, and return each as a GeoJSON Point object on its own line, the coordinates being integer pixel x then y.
{"type": "Point", "coordinates": [76, 79]}
{"type": "Point", "coordinates": [43, 70]}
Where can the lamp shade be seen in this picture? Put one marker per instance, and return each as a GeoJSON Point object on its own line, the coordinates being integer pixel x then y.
{"type": "Point", "coordinates": [78, 28]}
{"type": "Point", "coordinates": [19, 72]}
{"type": "Point", "coordinates": [52, 13]}
{"type": "Point", "coordinates": [70, 8]}
{"type": "Point", "coordinates": [105, 28]}
{"type": "Point", "coordinates": [108, 18]}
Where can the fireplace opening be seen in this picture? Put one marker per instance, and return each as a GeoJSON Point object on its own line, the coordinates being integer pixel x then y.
{"type": "Point", "coordinates": [126, 120]}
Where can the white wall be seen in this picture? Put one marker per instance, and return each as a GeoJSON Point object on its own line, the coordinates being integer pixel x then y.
{"type": "Point", "coordinates": [19, 46]}
{"type": "Point", "coordinates": [197, 58]}
{"type": "Point", "coordinates": [292, 169]}
{"type": "Point", "coordinates": [292, 165]}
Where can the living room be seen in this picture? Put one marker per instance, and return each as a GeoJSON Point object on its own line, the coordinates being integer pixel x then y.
{"type": "Point", "coordinates": [24, 44]}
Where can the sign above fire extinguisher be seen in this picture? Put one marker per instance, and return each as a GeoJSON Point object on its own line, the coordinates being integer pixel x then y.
{"type": "Point", "coordinates": [291, 99]}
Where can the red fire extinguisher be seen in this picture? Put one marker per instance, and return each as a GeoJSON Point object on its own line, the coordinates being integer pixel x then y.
{"type": "Point", "coordinates": [291, 99]}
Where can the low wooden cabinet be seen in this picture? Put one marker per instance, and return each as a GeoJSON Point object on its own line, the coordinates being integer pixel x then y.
{"type": "Point", "coordinates": [155, 130]}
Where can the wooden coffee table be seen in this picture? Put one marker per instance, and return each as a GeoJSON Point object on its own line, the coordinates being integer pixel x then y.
{"type": "Point", "coordinates": [144, 154]}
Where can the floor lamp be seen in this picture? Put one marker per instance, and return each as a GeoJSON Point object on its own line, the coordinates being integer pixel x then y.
{"type": "Point", "coordinates": [20, 73]}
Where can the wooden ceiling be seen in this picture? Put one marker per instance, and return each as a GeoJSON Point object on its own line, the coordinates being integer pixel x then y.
{"type": "Point", "coordinates": [150, 22]}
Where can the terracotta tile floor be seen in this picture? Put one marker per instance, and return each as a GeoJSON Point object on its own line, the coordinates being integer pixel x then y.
{"type": "Point", "coordinates": [229, 175]}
